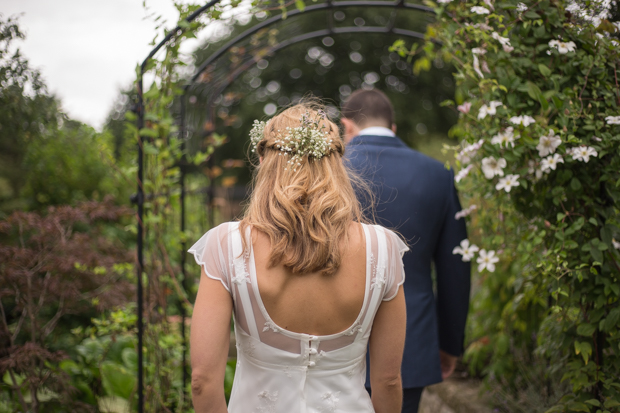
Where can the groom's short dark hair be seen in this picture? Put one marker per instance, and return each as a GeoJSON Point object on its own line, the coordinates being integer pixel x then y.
{"type": "Point", "coordinates": [366, 106]}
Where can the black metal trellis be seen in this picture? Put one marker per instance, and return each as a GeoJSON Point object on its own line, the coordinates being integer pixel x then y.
{"type": "Point", "coordinates": [140, 110]}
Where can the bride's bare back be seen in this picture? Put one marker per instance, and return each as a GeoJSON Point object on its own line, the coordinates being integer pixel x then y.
{"type": "Point", "coordinates": [313, 303]}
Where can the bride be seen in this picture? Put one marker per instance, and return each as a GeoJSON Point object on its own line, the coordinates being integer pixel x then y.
{"type": "Point", "coordinates": [309, 286]}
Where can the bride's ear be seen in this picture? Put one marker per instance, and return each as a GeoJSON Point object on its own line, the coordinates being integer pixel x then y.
{"type": "Point", "coordinates": [260, 160]}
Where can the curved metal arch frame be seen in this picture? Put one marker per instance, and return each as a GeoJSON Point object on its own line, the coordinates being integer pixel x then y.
{"type": "Point", "coordinates": [139, 197]}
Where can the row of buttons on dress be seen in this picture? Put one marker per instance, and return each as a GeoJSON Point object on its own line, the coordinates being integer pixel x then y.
{"type": "Point", "coordinates": [313, 355]}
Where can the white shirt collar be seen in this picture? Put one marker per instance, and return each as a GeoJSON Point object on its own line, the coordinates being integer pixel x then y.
{"type": "Point", "coordinates": [377, 131]}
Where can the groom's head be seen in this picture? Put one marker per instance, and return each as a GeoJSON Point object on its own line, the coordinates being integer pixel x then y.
{"type": "Point", "coordinates": [364, 109]}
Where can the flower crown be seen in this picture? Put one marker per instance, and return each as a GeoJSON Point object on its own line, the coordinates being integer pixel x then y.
{"type": "Point", "coordinates": [309, 139]}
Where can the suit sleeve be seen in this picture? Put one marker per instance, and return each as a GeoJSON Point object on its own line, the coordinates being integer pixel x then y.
{"type": "Point", "coordinates": [453, 278]}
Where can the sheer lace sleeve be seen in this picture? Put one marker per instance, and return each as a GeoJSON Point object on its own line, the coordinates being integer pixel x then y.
{"type": "Point", "coordinates": [395, 272]}
{"type": "Point", "coordinates": [211, 252]}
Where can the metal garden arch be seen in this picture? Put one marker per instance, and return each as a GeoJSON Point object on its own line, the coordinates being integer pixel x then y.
{"type": "Point", "coordinates": [139, 197]}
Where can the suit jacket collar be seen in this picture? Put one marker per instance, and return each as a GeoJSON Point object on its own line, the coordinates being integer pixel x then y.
{"type": "Point", "coordinates": [378, 140]}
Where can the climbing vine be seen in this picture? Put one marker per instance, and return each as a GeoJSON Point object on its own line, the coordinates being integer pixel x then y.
{"type": "Point", "coordinates": [539, 174]}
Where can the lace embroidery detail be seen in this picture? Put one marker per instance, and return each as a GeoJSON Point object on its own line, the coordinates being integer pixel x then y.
{"type": "Point", "coordinates": [248, 348]}
{"type": "Point", "coordinates": [287, 372]}
{"type": "Point", "coordinates": [378, 281]}
{"type": "Point", "coordinates": [356, 329]}
{"type": "Point", "coordinates": [331, 399]}
{"type": "Point", "coordinates": [241, 273]}
{"type": "Point", "coordinates": [270, 325]}
{"type": "Point", "coordinates": [351, 372]}
{"type": "Point", "coordinates": [268, 401]}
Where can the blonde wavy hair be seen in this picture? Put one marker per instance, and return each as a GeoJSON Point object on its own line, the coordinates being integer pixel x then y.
{"type": "Point", "coordinates": [306, 213]}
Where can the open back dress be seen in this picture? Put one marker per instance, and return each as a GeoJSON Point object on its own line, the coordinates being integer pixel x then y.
{"type": "Point", "coordinates": [280, 371]}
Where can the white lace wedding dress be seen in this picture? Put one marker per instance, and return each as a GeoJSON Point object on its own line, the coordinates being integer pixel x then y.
{"type": "Point", "coordinates": [280, 371]}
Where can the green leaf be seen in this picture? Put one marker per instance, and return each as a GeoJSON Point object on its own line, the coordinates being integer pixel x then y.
{"type": "Point", "coordinates": [544, 70]}
{"type": "Point", "coordinates": [593, 402]}
{"type": "Point", "coordinates": [586, 330]}
{"type": "Point", "coordinates": [300, 4]}
{"type": "Point", "coordinates": [535, 93]}
{"type": "Point", "coordinates": [117, 380]}
{"type": "Point", "coordinates": [611, 320]}
{"type": "Point", "coordinates": [531, 15]}
{"type": "Point", "coordinates": [578, 407]}
{"type": "Point", "coordinates": [611, 403]}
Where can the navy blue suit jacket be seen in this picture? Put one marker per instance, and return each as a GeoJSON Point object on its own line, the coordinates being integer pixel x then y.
{"type": "Point", "coordinates": [416, 196]}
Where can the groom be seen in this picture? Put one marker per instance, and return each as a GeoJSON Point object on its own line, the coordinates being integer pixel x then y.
{"type": "Point", "coordinates": [416, 196]}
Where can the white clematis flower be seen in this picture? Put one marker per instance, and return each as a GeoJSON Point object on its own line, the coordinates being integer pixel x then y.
{"type": "Point", "coordinates": [583, 153]}
{"type": "Point", "coordinates": [466, 250]}
{"type": "Point", "coordinates": [521, 7]}
{"type": "Point", "coordinates": [491, 109]}
{"type": "Point", "coordinates": [462, 173]}
{"type": "Point", "coordinates": [492, 167]}
{"type": "Point", "coordinates": [479, 10]}
{"type": "Point", "coordinates": [524, 120]}
{"type": "Point", "coordinates": [532, 169]}
{"type": "Point", "coordinates": [486, 260]}
{"type": "Point", "coordinates": [465, 212]}
{"type": "Point", "coordinates": [464, 108]}
{"type": "Point", "coordinates": [551, 162]}
{"type": "Point", "coordinates": [563, 47]}
{"type": "Point", "coordinates": [548, 144]}
{"type": "Point", "coordinates": [443, 1]}
{"type": "Point", "coordinates": [469, 152]}
{"type": "Point", "coordinates": [504, 41]}
{"type": "Point", "coordinates": [507, 183]}
{"type": "Point", "coordinates": [506, 137]}
{"type": "Point", "coordinates": [615, 243]}
{"type": "Point", "coordinates": [613, 120]}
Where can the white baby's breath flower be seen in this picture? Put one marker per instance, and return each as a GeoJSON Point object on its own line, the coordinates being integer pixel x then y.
{"type": "Point", "coordinates": [521, 7]}
{"type": "Point", "coordinates": [583, 153]}
{"type": "Point", "coordinates": [462, 173]}
{"type": "Point", "coordinates": [491, 109]}
{"type": "Point", "coordinates": [466, 250]}
{"type": "Point", "coordinates": [524, 120]}
{"type": "Point", "coordinates": [613, 120]}
{"type": "Point", "coordinates": [492, 167]}
{"type": "Point", "coordinates": [563, 47]}
{"type": "Point", "coordinates": [507, 183]}
{"type": "Point", "coordinates": [504, 138]}
{"type": "Point", "coordinates": [486, 260]}
{"type": "Point", "coordinates": [465, 212]}
{"type": "Point", "coordinates": [551, 162]}
{"type": "Point", "coordinates": [548, 144]}
{"type": "Point", "coordinates": [479, 10]}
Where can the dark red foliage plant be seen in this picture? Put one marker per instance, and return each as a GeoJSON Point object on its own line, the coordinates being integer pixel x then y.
{"type": "Point", "coordinates": [64, 263]}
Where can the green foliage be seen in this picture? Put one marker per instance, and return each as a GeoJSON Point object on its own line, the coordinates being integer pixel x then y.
{"type": "Point", "coordinates": [554, 298]}
{"type": "Point", "coordinates": [68, 166]}
{"type": "Point", "coordinates": [27, 112]}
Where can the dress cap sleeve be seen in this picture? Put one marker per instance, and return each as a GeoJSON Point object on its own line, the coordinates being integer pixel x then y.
{"type": "Point", "coordinates": [211, 253]}
{"type": "Point", "coordinates": [395, 271]}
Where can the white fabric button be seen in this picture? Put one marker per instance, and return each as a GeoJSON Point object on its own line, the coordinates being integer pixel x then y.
{"type": "Point", "coordinates": [312, 351]}
{"type": "Point", "coordinates": [313, 337]}
{"type": "Point", "coordinates": [311, 364]}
